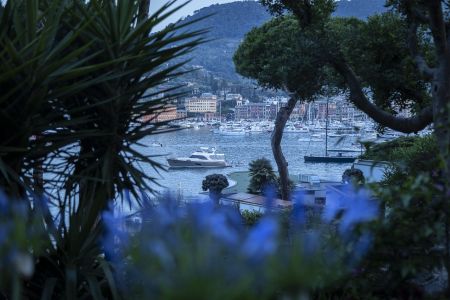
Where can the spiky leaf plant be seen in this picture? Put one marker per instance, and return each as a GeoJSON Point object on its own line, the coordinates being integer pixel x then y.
{"type": "Point", "coordinates": [76, 79]}
{"type": "Point", "coordinates": [261, 175]}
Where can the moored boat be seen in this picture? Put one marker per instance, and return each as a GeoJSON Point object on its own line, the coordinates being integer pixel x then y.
{"type": "Point", "coordinates": [329, 159]}
{"type": "Point", "coordinates": [204, 158]}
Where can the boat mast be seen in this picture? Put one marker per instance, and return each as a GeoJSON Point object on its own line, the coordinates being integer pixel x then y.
{"type": "Point", "coordinates": [326, 131]}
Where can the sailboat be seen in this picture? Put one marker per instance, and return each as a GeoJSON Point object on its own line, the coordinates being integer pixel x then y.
{"type": "Point", "coordinates": [338, 158]}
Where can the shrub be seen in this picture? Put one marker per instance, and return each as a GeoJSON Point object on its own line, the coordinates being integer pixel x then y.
{"type": "Point", "coordinates": [250, 218]}
{"type": "Point", "coordinates": [261, 176]}
{"type": "Point", "coordinates": [291, 186]}
{"type": "Point", "coordinates": [215, 183]}
{"type": "Point", "coordinates": [353, 176]}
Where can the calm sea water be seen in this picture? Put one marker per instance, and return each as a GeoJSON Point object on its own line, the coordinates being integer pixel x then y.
{"type": "Point", "coordinates": [239, 150]}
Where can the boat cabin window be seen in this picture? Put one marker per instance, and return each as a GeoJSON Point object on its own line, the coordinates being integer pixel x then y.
{"type": "Point", "coordinates": [198, 156]}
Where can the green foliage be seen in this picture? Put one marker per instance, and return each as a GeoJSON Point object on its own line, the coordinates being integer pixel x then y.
{"type": "Point", "coordinates": [76, 78]}
{"type": "Point", "coordinates": [215, 183]}
{"type": "Point", "coordinates": [318, 10]}
{"type": "Point", "coordinates": [261, 175]}
{"type": "Point", "coordinates": [295, 60]}
{"type": "Point", "coordinates": [378, 51]}
{"type": "Point", "coordinates": [291, 186]}
{"type": "Point", "coordinates": [251, 218]}
{"type": "Point", "coordinates": [382, 61]}
{"type": "Point", "coordinates": [419, 158]}
{"type": "Point", "coordinates": [384, 151]}
{"type": "Point", "coordinates": [410, 156]}
{"type": "Point", "coordinates": [409, 241]}
{"type": "Point", "coordinates": [353, 176]}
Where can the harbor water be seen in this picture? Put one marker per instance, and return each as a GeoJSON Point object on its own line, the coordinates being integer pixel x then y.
{"type": "Point", "coordinates": [239, 151]}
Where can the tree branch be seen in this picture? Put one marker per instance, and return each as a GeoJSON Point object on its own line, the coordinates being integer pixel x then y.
{"type": "Point", "coordinates": [437, 25]}
{"type": "Point", "coordinates": [413, 45]}
{"type": "Point", "coordinates": [416, 14]}
{"type": "Point", "coordinates": [359, 99]}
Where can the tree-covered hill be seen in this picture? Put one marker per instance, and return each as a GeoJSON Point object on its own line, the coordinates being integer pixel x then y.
{"type": "Point", "coordinates": [230, 20]}
{"type": "Point", "coordinates": [228, 24]}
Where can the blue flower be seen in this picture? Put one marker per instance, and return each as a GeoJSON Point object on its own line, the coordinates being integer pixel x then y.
{"type": "Point", "coordinates": [333, 206]}
{"type": "Point", "coordinates": [262, 239]}
{"type": "Point", "coordinates": [160, 250]}
{"type": "Point", "coordinates": [355, 206]}
{"type": "Point", "coordinates": [298, 212]}
{"type": "Point", "coordinates": [221, 223]}
{"type": "Point", "coordinates": [115, 238]}
{"type": "Point", "coordinates": [361, 209]}
{"type": "Point", "coordinates": [270, 192]}
{"type": "Point", "coordinates": [165, 214]}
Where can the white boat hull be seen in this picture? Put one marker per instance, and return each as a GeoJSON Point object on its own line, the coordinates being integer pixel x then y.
{"type": "Point", "coordinates": [177, 163]}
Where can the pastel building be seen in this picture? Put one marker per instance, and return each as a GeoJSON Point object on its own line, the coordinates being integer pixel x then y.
{"type": "Point", "coordinates": [165, 113]}
{"type": "Point", "coordinates": [256, 111]}
{"type": "Point", "coordinates": [206, 103]}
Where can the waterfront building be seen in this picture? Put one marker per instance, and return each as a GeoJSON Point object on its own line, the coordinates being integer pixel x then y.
{"type": "Point", "coordinates": [165, 113]}
{"type": "Point", "coordinates": [206, 103]}
{"type": "Point", "coordinates": [256, 111]}
{"type": "Point", "coordinates": [181, 114]}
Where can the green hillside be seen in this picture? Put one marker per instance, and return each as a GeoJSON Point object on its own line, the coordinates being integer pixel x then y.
{"type": "Point", "coordinates": [228, 24]}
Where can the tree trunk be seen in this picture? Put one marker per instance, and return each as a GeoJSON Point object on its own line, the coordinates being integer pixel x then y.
{"type": "Point", "coordinates": [215, 196]}
{"type": "Point", "coordinates": [441, 114]}
{"type": "Point", "coordinates": [277, 135]}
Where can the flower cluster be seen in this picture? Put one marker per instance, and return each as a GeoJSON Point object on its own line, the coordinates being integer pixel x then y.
{"type": "Point", "coordinates": [201, 250]}
{"type": "Point", "coordinates": [19, 232]}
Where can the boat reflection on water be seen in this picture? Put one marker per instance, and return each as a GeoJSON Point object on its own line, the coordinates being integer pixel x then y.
{"type": "Point", "coordinates": [204, 158]}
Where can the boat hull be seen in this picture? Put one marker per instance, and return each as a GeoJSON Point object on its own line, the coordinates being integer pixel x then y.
{"type": "Point", "coordinates": [174, 163]}
{"type": "Point", "coordinates": [329, 159]}
{"type": "Point", "coordinates": [232, 133]}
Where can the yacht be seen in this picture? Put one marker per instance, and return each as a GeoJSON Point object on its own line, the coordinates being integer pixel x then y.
{"type": "Point", "coordinates": [327, 158]}
{"type": "Point", "coordinates": [204, 158]}
{"type": "Point", "coordinates": [232, 131]}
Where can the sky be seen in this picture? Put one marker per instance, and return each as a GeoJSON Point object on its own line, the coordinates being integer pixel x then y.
{"type": "Point", "coordinates": [188, 9]}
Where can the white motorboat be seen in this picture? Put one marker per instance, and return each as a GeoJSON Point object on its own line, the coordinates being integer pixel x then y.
{"type": "Point", "coordinates": [204, 158]}
{"type": "Point", "coordinates": [295, 129]}
{"type": "Point", "coordinates": [232, 131]}
{"type": "Point", "coordinates": [156, 144]}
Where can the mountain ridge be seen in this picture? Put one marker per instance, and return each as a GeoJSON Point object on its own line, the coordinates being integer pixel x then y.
{"type": "Point", "coordinates": [228, 23]}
